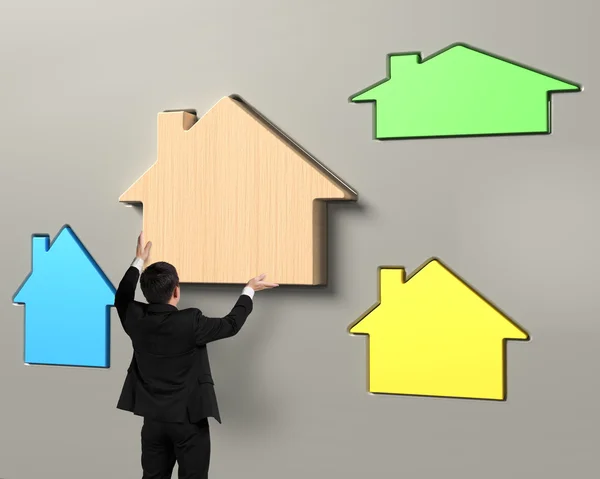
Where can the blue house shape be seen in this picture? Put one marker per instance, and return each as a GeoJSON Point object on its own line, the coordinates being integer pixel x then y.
{"type": "Point", "coordinates": [67, 302]}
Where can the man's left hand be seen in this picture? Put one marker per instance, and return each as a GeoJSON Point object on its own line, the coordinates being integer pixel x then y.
{"type": "Point", "coordinates": [143, 250]}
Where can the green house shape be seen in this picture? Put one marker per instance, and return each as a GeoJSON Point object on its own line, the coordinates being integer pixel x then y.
{"type": "Point", "coordinates": [460, 91]}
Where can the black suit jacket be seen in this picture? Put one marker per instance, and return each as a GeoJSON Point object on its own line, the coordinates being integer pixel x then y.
{"type": "Point", "coordinates": [169, 377]}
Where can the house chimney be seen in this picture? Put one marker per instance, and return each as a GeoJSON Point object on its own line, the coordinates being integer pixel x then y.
{"type": "Point", "coordinates": [176, 120]}
{"type": "Point", "coordinates": [40, 245]}
{"type": "Point", "coordinates": [390, 280]}
{"type": "Point", "coordinates": [400, 64]}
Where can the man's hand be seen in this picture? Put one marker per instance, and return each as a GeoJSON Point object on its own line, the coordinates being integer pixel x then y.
{"type": "Point", "coordinates": [257, 283]}
{"type": "Point", "coordinates": [143, 251]}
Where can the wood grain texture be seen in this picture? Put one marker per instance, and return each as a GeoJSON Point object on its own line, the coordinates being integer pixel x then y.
{"type": "Point", "coordinates": [230, 197]}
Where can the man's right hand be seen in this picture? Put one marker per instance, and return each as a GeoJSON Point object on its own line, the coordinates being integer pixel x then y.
{"type": "Point", "coordinates": [258, 283]}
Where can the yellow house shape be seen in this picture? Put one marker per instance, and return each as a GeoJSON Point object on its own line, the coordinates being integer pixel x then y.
{"type": "Point", "coordinates": [433, 335]}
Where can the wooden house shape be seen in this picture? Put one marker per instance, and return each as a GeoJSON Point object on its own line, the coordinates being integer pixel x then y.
{"type": "Point", "coordinates": [231, 197]}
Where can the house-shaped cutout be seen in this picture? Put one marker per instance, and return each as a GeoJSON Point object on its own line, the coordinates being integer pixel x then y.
{"type": "Point", "coordinates": [67, 302]}
{"type": "Point", "coordinates": [230, 197]}
{"type": "Point", "coordinates": [433, 335]}
{"type": "Point", "coordinates": [460, 91]}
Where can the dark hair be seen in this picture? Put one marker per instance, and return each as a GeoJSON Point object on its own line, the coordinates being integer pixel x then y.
{"type": "Point", "coordinates": [158, 281]}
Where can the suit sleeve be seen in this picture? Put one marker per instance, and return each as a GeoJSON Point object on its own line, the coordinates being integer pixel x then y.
{"type": "Point", "coordinates": [212, 329]}
{"type": "Point", "coordinates": [126, 292]}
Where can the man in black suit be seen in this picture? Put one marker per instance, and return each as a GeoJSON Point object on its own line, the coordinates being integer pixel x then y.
{"type": "Point", "coordinates": [169, 382]}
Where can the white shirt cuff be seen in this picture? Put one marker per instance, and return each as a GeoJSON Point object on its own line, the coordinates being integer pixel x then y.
{"type": "Point", "coordinates": [248, 291]}
{"type": "Point", "coordinates": [138, 263]}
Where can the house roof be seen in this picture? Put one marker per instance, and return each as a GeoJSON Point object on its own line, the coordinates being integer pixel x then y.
{"type": "Point", "coordinates": [455, 54]}
{"type": "Point", "coordinates": [348, 192]}
{"type": "Point", "coordinates": [424, 276]}
{"type": "Point", "coordinates": [69, 263]}
{"type": "Point", "coordinates": [233, 104]}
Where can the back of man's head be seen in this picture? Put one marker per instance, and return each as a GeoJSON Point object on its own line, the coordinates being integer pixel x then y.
{"type": "Point", "coordinates": [158, 282]}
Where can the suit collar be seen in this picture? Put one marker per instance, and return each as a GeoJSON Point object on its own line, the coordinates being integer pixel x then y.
{"type": "Point", "coordinates": [161, 307]}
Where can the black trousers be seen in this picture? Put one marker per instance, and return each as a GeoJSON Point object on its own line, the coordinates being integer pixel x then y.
{"type": "Point", "coordinates": [163, 443]}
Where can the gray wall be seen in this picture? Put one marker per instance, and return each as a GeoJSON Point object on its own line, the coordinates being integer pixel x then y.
{"type": "Point", "coordinates": [81, 83]}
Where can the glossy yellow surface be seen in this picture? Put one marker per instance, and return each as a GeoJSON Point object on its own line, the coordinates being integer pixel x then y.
{"type": "Point", "coordinates": [433, 335]}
